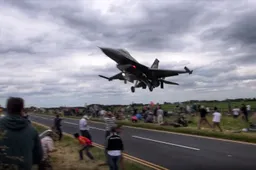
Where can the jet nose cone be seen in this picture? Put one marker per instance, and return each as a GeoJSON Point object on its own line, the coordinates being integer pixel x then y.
{"type": "Point", "coordinates": [104, 50]}
{"type": "Point", "coordinates": [107, 51]}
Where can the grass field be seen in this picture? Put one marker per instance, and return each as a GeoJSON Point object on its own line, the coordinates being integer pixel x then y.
{"type": "Point", "coordinates": [67, 157]}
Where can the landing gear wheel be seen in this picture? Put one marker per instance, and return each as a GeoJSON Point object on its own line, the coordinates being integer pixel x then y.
{"type": "Point", "coordinates": [151, 88]}
{"type": "Point", "coordinates": [162, 85]}
{"type": "Point", "coordinates": [133, 89]}
{"type": "Point", "coordinates": [144, 87]}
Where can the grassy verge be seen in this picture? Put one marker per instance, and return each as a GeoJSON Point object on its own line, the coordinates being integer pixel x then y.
{"type": "Point", "coordinates": [227, 134]}
{"type": "Point", "coordinates": [67, 157]}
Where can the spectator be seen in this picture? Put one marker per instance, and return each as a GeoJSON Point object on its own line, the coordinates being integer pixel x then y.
{"type": "Point", "coordinates": [245, 113]}
{"type": "Point", "coordinates": [155, 114]}
{"type": "Point", "coordinates": [110, 121]}
{"type": "Point", "coordinates": [236, 111]}
{"type": "Point", "coordinates": [139, 116]}
{"type": "Point", "coordinates": [216, 118]}
{"type": "Point", "coordinates": [114, 148]}
{"type": "Point", "coordinates": [160, 114]}
{"type": "Point", "coordinates": [248, 108]}
{"type": "Point", "coordinates": [57, 126]}
{"type": "Point", "coordinates": [48, 147]}
{"type": "Point", "coordinates": [20, 138]}
{"type": "Point", "coordinates": [86, 145]}
{"type": "Point", "coordinates": [134, 119]}
{"type": "Point", "coordinates": [84, 128]}
{"type": "Point", "coordinates": [202, 119]}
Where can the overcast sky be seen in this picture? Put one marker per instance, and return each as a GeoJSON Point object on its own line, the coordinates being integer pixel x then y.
{"type": "Point", "coordinates": [49, 53]}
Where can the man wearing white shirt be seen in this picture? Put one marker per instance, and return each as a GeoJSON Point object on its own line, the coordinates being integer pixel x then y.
{"type": "Point", "coordinates": [216, 118]}
{"type": "Point", "coordinates": [84, 128]}
{"type": "Point", "coordinates": [236, 111]}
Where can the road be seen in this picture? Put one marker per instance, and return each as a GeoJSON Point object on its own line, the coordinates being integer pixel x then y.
{"type": "Point", "coordinates": [172, 151]}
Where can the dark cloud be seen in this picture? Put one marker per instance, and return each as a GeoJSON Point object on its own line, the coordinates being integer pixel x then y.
{"type": "Point", "coordinates": [49, 56]}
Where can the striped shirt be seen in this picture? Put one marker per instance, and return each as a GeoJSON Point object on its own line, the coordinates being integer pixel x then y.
{"type": "Point", "coordinates": [109, 122]}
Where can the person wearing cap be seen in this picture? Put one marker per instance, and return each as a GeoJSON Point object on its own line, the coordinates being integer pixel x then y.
{"type": "Point", "coordinates": [114, 148]}
{"type": "Point", "coordinates": [48, 147]}
{"type": "Point", "coordinates": [84, 128]}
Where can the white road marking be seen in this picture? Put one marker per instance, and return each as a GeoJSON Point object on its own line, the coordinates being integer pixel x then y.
{"type": "Point", "coordinates": [97, 128]}
{"type": "Point", "coordinates": [91, 127]}
{"type": "Point", "coordinates": [71, 123]}
{"type": "Point", "coordinates": [167, 143]}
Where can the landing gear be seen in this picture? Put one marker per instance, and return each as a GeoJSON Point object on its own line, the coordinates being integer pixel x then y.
{"type": "Point", "coordinates": [125, 81]}
{"type": "Point", "coordinates": [162, 85]}
{"type": "Point", "coordinates": [150, 87]}
{"type": "Point", "coordinates": [144, 86]}
{"type": "Point", "coordinates": [133, 89]}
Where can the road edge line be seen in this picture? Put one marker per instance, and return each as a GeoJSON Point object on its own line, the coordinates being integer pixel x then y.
{"type": "Point", "coordinates": [131, 158]}
{"type": "Point", "coordinates": [176, 133]}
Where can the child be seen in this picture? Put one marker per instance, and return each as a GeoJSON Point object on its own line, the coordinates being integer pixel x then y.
{"type": "Point", "coordinates": [86, 144]}
{"type": "Point", "coordinates": [216, 118]}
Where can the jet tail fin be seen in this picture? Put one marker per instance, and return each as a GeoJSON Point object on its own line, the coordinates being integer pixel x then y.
{"type": "Point", "coordinates": [188, 70]}
{"type": "Point", "coordinates": [155, 63]}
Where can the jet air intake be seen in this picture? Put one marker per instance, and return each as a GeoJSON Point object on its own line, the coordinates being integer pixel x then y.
{"type": "Point", "coordinates": [125, 66]}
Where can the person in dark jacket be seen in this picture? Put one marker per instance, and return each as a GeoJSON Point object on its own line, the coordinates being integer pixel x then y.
{"type": "Point", "coordinates": [57, 126]}
{"type": "Point", "coordinates": [19, 141]}
{"type": "Point", "coordinates": [245, 112]}
{"type": "Point", "coordinates": [114, 149]}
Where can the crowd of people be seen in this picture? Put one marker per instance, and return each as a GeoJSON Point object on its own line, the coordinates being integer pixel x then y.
{"type": "Point", "coordinates": [21, 146]}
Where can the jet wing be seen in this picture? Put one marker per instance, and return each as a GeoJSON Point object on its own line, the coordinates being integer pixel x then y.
{"type": "Point", "coordinates": [118, 76]}
{"type": "Point", "coordinates": [159, 73]}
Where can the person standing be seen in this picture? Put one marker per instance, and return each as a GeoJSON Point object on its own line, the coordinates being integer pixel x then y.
{"type": "Point", "coordinates": [216, 119]}
{"type": "Point", "coordinates": [160, 114]}
{"type": "Point", "coordinates": [203, 118]}
{"type": "Point", "coordinates": [21, 139]}
{"type": "Point", "coordinates": [236, 111]}
{"type": "Point", "coordinates": [84, 128]}
{"type": "Point", "coordinates": [57, 126]}
{"type": "Point", "coordinates": [110, 121]}
{"type": "Point", "coordinates": [114, 148]}
{"type": "Point", "coordinates": [244, 111]}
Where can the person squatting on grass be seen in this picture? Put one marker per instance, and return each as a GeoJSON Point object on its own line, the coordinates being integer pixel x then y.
{"type": "Point", "coordinates": [48, 147]}
{"type": "Point", "coordinates": [216, 118]}
{"type": "Point", "coordinates": [86, 145]}
{"type": "Point", "coordinates": [114, 148]}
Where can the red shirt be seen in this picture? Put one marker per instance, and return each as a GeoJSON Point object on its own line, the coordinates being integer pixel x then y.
{"type": "Point", "coordinates": [84, 141]}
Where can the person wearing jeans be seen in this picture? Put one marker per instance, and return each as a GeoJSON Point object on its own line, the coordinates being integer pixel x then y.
{"type": "Point", "coordinates": [86, 145]}
{"type": "Point", "coordinates": [114, 148]}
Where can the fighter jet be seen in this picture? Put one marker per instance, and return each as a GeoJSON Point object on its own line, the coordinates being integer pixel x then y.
{"type": "Point", "coordinates": [132, 70]}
